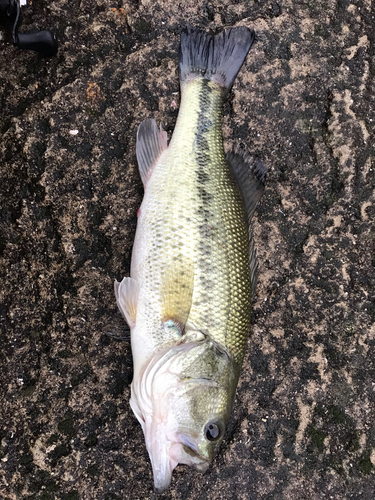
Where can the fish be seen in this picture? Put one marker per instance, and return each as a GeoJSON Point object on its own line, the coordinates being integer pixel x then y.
{"type": "Point", "coordinates": [193, 266]}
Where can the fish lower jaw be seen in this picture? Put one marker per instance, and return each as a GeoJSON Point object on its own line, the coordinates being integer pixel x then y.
{"type": "Point", "coordinates": [162, 472]}
{"type": "Point", "coordinates": [166, 451]}
{"type": "Point", "coordinates": [162, 475]}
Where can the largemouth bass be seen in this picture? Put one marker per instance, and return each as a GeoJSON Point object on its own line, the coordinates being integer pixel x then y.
{"type": "Point", "coordinates": [193, 269]}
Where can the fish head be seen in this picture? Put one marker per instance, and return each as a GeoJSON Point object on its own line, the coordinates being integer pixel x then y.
{"type": "Point", "coordinates": [183, 403]}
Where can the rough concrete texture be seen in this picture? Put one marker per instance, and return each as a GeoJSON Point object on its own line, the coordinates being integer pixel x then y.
{"type": "Point", "coordinates": [303, 424]}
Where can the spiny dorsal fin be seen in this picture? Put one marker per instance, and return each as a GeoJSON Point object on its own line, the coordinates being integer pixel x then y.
{"type": "Point", "coordinates": [251, 177]}
{"type": "Point", "coordinates": [127, 299]}
{"type": "Point", "coordinates": [151, 142]}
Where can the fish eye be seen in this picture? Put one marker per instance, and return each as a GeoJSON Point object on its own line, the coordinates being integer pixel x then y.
{"type": "Point", "coordinates": [213, 431]}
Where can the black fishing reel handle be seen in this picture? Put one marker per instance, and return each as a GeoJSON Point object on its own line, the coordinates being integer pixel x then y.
{"type": "Point", "coordinates": [44, 42]}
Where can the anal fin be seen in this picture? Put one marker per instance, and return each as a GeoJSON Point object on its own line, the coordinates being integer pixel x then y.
{"type": "Point", "coordinates": [151, 142]}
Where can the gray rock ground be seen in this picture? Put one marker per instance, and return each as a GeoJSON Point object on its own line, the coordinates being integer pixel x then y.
{"type": "Point", "coordinates": [303, 421]}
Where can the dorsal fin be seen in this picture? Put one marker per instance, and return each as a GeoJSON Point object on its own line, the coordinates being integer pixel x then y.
{"type": "Point", "coordinates": [151, 142]}
{"type": "Point", "coordinates": [251, 177]}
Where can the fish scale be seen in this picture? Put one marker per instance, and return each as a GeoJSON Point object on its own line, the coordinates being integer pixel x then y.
{"type": "Point", "coordinates": [213, 237]}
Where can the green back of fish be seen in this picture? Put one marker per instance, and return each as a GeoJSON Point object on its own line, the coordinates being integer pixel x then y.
{"type": "Point", "coordinates": [198, 247]}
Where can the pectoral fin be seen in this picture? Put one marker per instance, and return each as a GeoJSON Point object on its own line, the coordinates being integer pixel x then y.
{"type": "Point", "coordinates": [127, 299]}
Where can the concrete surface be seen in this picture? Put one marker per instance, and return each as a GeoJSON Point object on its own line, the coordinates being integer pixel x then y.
{"type": "Point", "coordinates": [303, 423]}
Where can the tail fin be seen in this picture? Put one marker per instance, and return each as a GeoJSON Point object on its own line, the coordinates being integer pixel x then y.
{"type": "Point", "coordinates": [214, 57]}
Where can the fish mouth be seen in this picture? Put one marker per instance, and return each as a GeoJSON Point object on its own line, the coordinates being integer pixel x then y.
{"type": "Point", "coordinates": [190, 448]}
{"type": "Point", "coordinates": [185, 451]}
{"type": "Point", "coordinates": [166, 454]}
{"type": "Point", "coordinates": [199, 462]}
